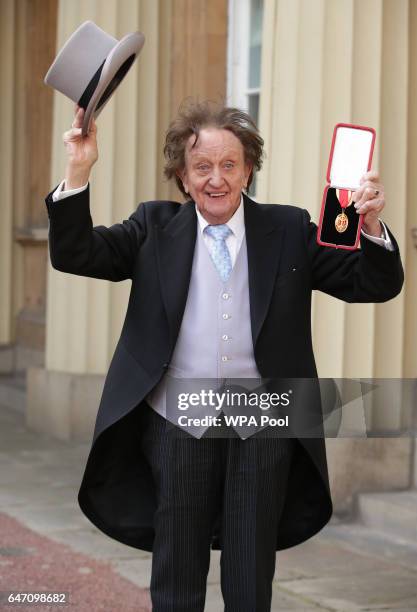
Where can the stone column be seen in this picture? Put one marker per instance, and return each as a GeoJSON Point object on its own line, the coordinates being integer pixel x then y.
{"type": "Point", "coordinates": [27, 47]}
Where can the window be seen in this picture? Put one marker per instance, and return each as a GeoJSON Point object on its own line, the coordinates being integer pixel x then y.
{"type": "Point", "coordinates": [244, 57]}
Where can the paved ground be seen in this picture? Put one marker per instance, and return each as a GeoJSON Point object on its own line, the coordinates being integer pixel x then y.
{"type": "Point", "coordinates": [46, 544]}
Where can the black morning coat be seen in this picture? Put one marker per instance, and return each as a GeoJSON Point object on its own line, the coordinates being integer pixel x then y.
{"type": "Point", "coordinates": [154, 249]}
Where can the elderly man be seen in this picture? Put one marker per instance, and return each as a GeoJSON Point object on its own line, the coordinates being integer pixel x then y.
{"type": "Point", "coordinates": [221, 288]}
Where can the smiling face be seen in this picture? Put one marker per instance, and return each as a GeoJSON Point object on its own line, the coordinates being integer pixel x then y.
{"type": "Point", "coordinates": [215, 173]}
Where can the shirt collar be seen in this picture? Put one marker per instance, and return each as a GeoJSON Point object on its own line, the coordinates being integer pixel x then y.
{"type": "Point", "coordinates": [236, 223]}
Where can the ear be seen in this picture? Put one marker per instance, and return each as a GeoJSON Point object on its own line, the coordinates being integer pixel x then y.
{"type": "Point", "coordinates": [182, 176]}
{"type": "Point", "coordinates": [248, 170]}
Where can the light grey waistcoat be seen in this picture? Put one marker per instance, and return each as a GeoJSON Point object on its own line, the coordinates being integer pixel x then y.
{"type": "Point", "coordinates": [215, 338]}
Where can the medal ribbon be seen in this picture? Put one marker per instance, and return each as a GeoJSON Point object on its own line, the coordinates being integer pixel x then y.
{"type": "Point", "coordinates": [344, 197]}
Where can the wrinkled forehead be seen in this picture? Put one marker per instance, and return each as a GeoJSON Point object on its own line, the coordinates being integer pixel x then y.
{"type": "Point", "coordinates": [213, 142]}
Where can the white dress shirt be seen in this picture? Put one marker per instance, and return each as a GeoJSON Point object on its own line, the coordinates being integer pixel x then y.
{"type": "Point", "coordinates": [236, 223]}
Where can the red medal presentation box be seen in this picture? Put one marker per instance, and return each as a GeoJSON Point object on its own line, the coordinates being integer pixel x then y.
{"type": "Point", "coordinates": [350, 157]}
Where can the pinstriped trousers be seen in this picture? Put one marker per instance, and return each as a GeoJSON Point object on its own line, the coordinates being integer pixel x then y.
{"type": "Point", "coordinates": [245, 481]}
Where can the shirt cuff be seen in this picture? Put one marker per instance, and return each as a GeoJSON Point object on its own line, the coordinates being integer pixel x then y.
{"type": "Point", "coordinates": [384, 241]}
{"type": "Point", "coordinates": [60, 193]}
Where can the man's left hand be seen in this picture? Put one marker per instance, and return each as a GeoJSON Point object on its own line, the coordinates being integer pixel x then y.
{"type": "Point", "coordinates": [369, 201]}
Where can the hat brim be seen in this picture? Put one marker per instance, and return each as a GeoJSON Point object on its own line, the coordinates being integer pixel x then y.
{"type": "Point", "coordinates": [115, 68]}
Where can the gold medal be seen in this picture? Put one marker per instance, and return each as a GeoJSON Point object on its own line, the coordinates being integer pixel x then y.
{"type": "Point", "coordinates": [344, 197]}
{"type": "Point", "coordinates": [341, 222]}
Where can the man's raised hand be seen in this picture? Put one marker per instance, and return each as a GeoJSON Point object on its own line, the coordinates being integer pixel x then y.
{"type": "Point", "coordinates": [82, 152]}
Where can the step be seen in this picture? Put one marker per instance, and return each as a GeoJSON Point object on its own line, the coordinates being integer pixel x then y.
{"type": "Point", "coordinates": [393, 513]}
{"type": "Point", "coordinates": [367, 541]}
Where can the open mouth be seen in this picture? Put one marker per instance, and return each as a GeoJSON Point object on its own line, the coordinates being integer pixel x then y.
{"type": "Point", "coordinates": [218, 194]}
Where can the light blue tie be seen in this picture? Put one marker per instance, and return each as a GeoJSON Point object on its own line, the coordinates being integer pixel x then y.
{"type": "Point", "coordinates": [220, 253]}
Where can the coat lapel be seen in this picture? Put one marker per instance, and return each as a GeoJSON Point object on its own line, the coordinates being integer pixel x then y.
{"type": "Point", "coordinates": [264, 243]}
{"type": "Point", "coordinates": [175, 251]}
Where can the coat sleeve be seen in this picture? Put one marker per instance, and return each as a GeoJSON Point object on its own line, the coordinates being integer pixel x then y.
{"type": "Point", "coordinates": [369, 274]}
{"type": "Point", "coordinates": [76, 247]}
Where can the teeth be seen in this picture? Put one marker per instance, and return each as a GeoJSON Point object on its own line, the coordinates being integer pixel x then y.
{"type": "Point", "coordinates": [216, 195]}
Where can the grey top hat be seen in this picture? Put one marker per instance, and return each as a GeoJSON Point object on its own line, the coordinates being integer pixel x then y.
{"type": "Point", "coordinates": [91, 65]}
